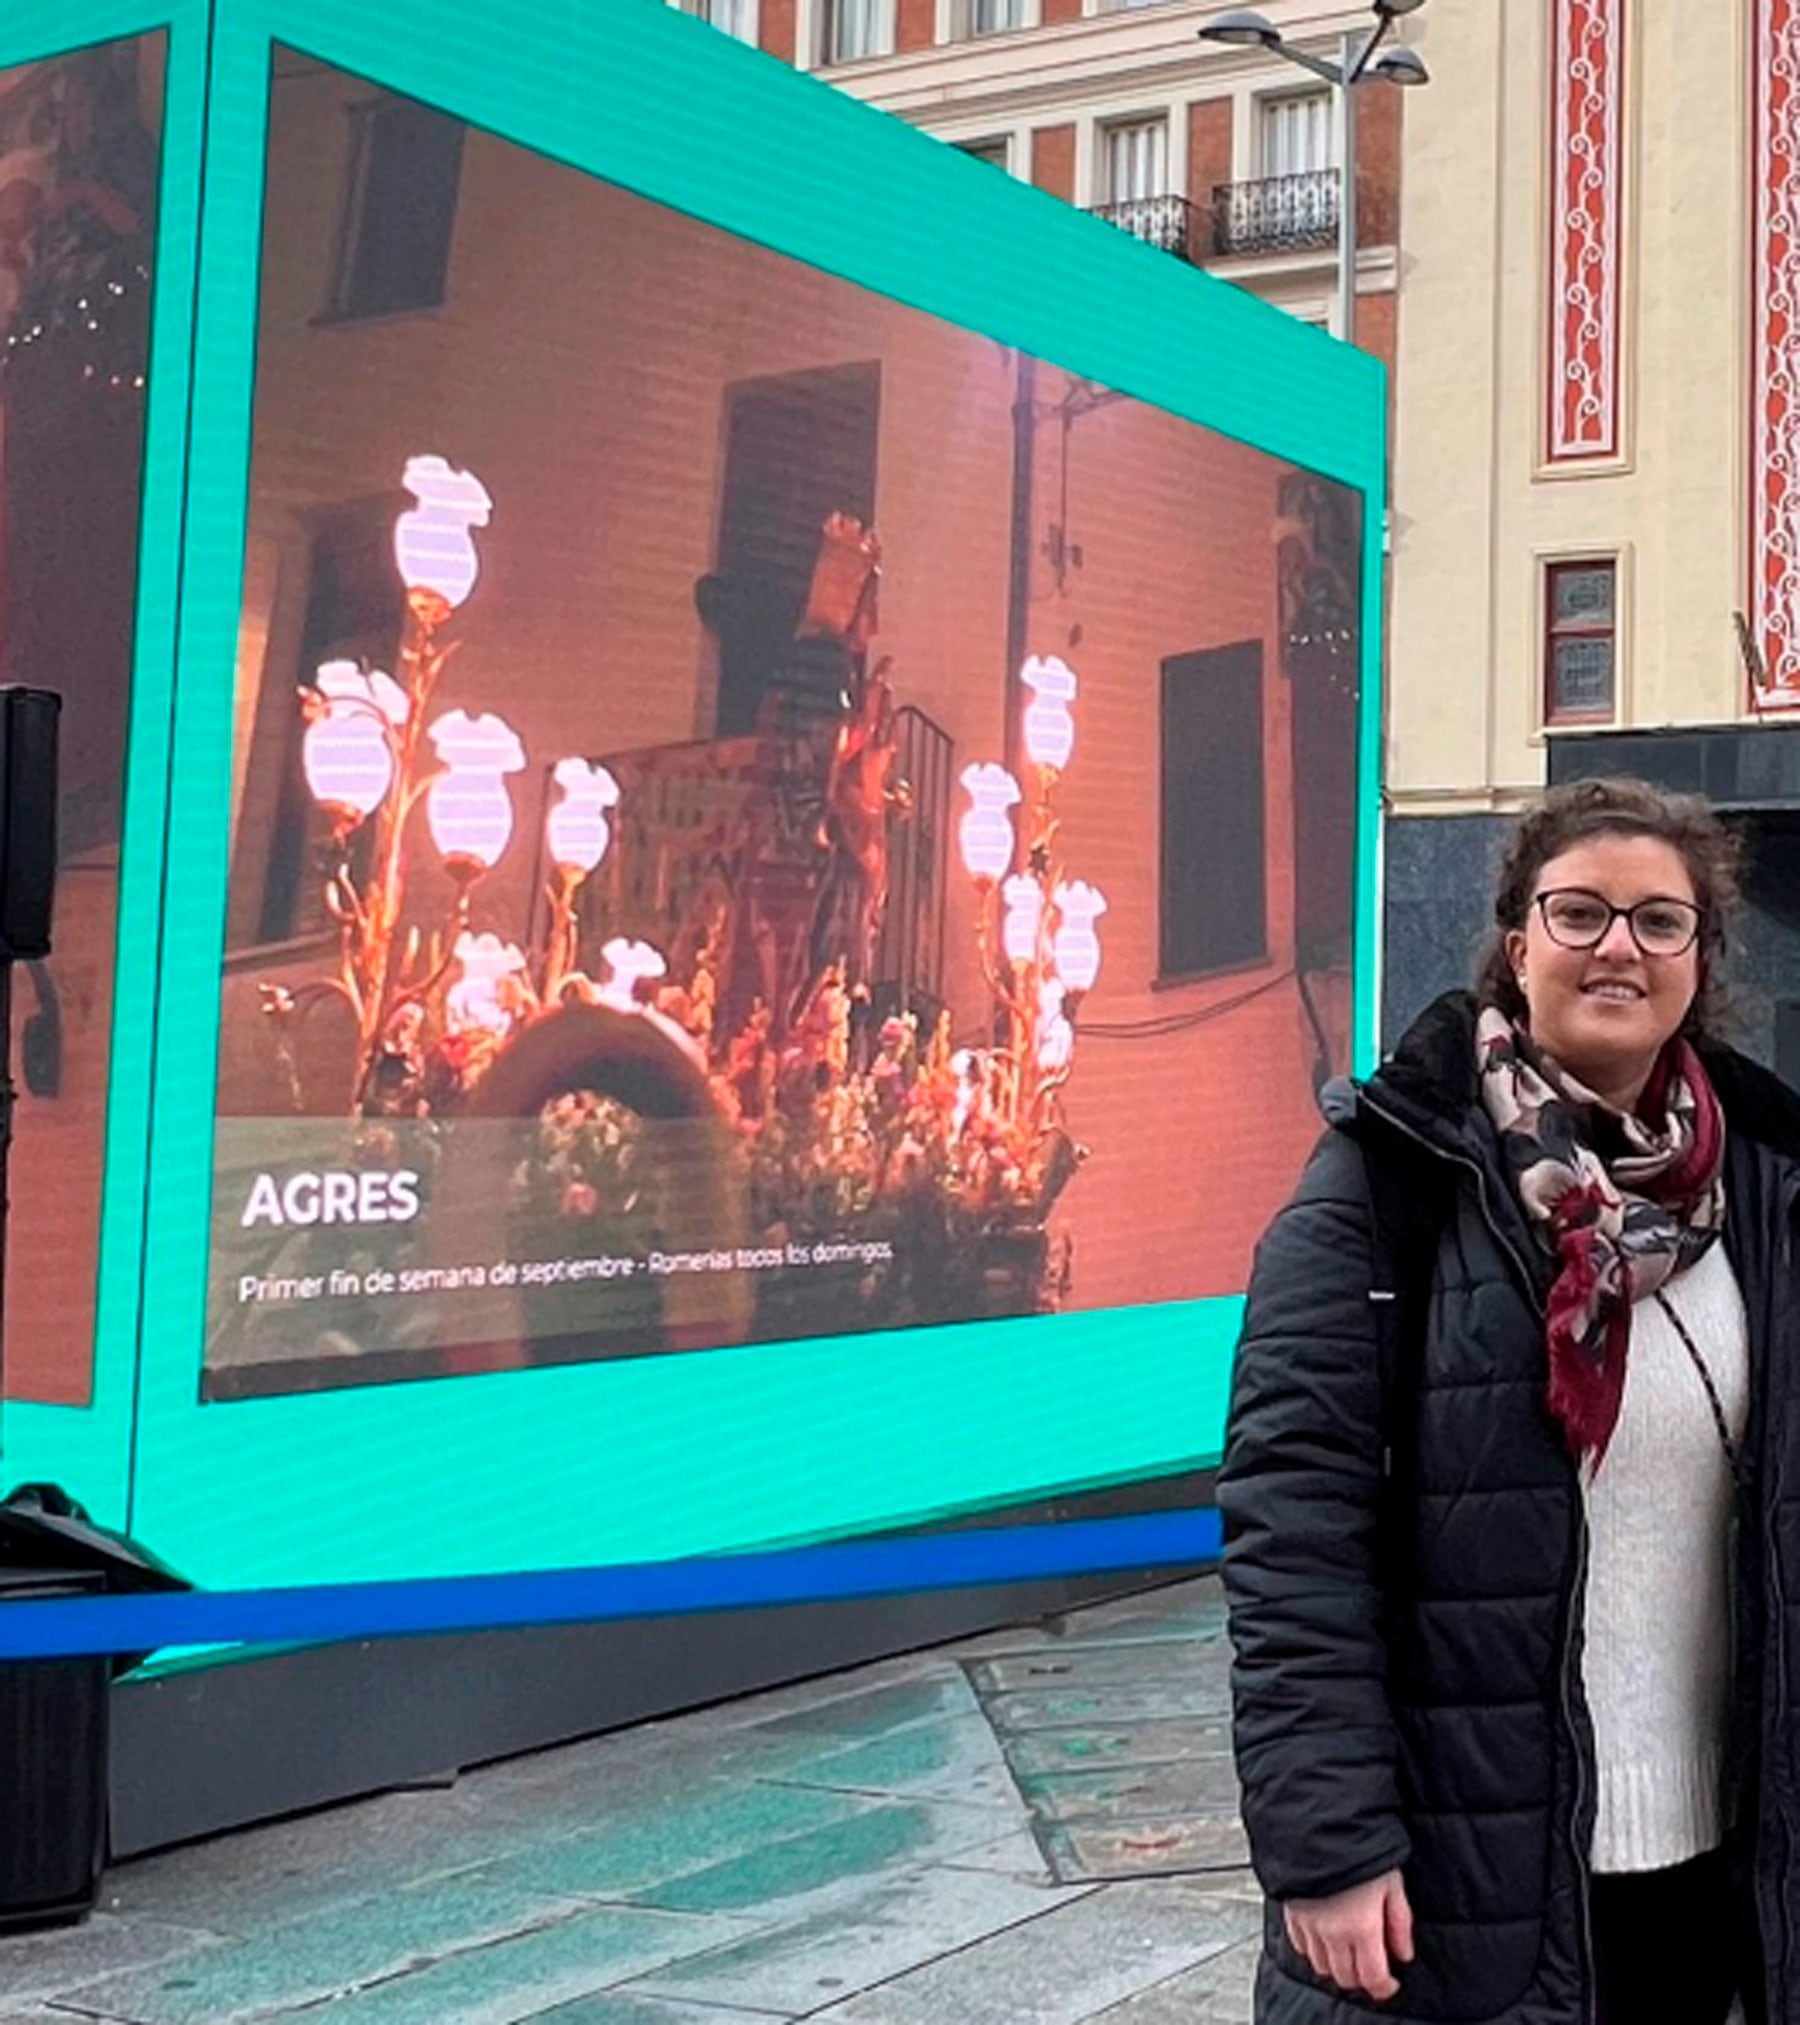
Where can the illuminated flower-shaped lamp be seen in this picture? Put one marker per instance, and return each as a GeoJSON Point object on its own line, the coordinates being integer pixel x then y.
{"type": "Point", "coordinates": [468, 807]}
{"type": "Point", "coordinates": [432, 543]}
{"type": "Point", "coordinates": [628, 964]}
{"type": "Point", "coordinates": [475, 999]}
{"type": "Point", "coordinates": [348, 749]}
{"type": "Point", "coordinates": [1049, 724]}
{"type": "Point", "coordinates": [1024, 899]}
{"type": "Point", "coordinates": [1077, 947]}
{"type": "Point", "coordinates": [1055, 1036]}
{"type": "Point", "coordinates": [985, 833]}
{"type": "Point", "coordinates": [577, 830]}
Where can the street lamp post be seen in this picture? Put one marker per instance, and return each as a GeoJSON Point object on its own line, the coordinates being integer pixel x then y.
{"type": "Point", "coordinates": [1358, 63]}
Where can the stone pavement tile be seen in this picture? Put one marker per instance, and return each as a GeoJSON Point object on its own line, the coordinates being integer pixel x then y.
{"type": "Point", "coordinates": [903, 1836]}
{"type": "Point", "coordinates": [1174, 1660]}
{"type": "Point", "coordinates": [1216, 1993]}
{"type": "Point", "coordinates": [629, 1854]}
{"type": "Point", "coordinates": [956, 1759]}
{"type": "Point", "coordinates": [330, 1951]}
{"type": "Point", "coordinates": [1156, 1701]}
{"type": "Point", "coordinates": [857, 1940]}
{"type": "Point", "coordinates": [1133, 1792]}
{"type": "Point", "coordinates": [526, 1974]}
{"type": "Point", "coordinates": [39, 1965]}
{"type": "Point", "coordinates": [1144, 1848]}
{"type": "Point", "coordinates": [615, 2007]}
{"type": "Point", "coordinates": [1060, 1969]}
{"type": "Point", "coordinates": [873, 1712]}
{"type": "Point", "coordinates": [1015, 1855]}
{"type": "Point", "coordinates": [284, 1870]}
{"type": "Point", "coordinates": [1092, 1745]}
{"type": "Point", "coordinates": [722, 1718]}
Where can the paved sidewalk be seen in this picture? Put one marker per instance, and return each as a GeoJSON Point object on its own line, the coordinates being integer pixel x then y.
{"type": "Point", "coordinates": [1031, 1828]}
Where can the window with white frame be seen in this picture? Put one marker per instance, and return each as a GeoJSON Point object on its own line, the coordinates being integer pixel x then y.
{"type": "Point", "coordinates": [986, 17]}
{"type": "Point", "coordinates": [852, 29]}
{"type": "Point", "coordinates": [1134, 160]}
{"type": "Point", "coordinates": [1293, 134]}
{"type": "Point", "coordinates": [997, 153]}
{"type": "Point", "coordinates": [731, 17]}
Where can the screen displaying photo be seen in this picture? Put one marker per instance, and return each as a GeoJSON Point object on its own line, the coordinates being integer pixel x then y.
{"type": "Point", "coordinates": [757, 813]}
{"type": "Point", "coordinates": [80, 138]}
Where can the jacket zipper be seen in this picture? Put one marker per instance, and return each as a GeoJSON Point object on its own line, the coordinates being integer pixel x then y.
{"type": "Point", "coordinates": [1582, 1860]}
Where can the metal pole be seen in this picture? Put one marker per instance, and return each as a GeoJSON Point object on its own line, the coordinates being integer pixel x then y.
{"type": "Point", "coordinates": [1347, 192]}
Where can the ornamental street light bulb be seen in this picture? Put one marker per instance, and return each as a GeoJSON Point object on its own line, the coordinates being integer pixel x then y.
{"type": "Point", "coordinates": [1077, 947]}
{"type": "Point", "coordinates": [577, 829]}
{"type": "Point", "coordinates": [1024, 899]}
{"type": "Point", "coordinates": [468, 807]}
{"type": "Point", "coordinates": [1049, 725]}
{"type": "Point", "coordinates": [985, 833]}
{"type": "Point", "coordinates": [477, 998]}
{"type": "Point", "coordinates": [432, 544]}
{"type": "Point", "coordinates": [347, 751]}
{"type": "Point", "coordinates": [628, 965]}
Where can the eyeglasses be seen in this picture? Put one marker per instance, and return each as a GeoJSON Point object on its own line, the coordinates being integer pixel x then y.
{"type": "Point", "coordinates": [1578, 919]}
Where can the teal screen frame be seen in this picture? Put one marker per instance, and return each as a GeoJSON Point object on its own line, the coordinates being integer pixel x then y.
{"type": "Point", "coordinates": [599, 1464]}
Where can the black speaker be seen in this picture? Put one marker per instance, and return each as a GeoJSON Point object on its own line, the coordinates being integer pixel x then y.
{"type": "Point", "coordinates": [28, 725]}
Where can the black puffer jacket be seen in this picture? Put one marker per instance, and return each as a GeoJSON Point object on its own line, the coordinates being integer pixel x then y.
{"type": "Point", "coordinates": [1405, 1571]}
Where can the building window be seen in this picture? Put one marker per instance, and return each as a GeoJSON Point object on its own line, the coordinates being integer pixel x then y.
{"type": "Point", "coordinates": [1213, 892]}
{"type": "Point", "coordinates": [1134, 160]}
{"type": "Point", "coordinates": [1293, 134]}
{"type": "Point", "coordinates": [996, 153]}
{"type": "Point", "coordinates": [852, 29]}
{"type": "Point", "coordinates": [1580, 641]}
{"type": "Point", "coordinates": [400, 211]}
{"type": "Point", "coordinates": [985, 17]}
{"type": "Point", "coordinates": [731, 17]}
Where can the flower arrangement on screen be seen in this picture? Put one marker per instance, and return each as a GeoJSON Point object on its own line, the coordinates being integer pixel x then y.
{"type": "Point", "coordinates": [844, 1124]}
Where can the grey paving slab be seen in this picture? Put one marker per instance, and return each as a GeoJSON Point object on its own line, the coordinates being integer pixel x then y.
{"type": "Point", "coordinates": [1062, 1968]}
{"type": "Point", "coordinates": [320, 1956]}
{"type": "Point", "coordinates": [1143, 1848]}
{"type": "Point", "coordinates": [614, 2007]}
{"type": "Point", "coordinates": [1100, 1666]}
{"type": "Point", "coordinates": [39, 1965]}
{"type": "Point", "coordinates": [956, 1758]}
{"type": "Point", "coordinates": [832, 1859]}
{"type": "Point", "coordinates": [858, 1940]}
{"type": "Point", "coordinates": [1157, 1701]}
{"type": "Point", "coordinates": [634, 1852]}
{"type": "Point", "coordinates": [528, 1973]}
{"type": "Point", "coordinates": [873, 1712]}
{"type": "Point", "coordinates": [1016, 1855]}
{"type": "Point", "coordinates": [1089, 1746]}
{"type": "Point", "coordinates": [1216, 1993]}
{"type": "Point", "coordinates": [1205, 1786]}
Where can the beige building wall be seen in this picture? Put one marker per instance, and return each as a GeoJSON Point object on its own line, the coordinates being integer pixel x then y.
{"type": "Point", "coordinates": [1477, 515]}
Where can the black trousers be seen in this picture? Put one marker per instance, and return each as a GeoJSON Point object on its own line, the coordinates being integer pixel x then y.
{"type": "Point", "coordinates": [1664, 1950]}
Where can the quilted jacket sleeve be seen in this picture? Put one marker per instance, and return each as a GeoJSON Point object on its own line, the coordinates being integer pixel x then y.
{"type": "Point", "coordinates": [1298, 1491]}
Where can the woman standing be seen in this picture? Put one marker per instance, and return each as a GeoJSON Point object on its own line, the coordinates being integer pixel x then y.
{"type": "Point", "coordinates": [1510, 1485]}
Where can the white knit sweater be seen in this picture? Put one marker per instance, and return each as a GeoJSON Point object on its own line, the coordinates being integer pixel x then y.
{"type": "Point", "coordinates": [1658, 1653]}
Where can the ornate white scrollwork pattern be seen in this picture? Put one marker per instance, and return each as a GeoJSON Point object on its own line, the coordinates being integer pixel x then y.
{"type": "Point", "coordinates": [1588, 86]}
{"type": "Point", "coordinates": [1775, 417]}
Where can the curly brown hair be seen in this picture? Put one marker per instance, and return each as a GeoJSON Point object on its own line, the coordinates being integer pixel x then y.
{"type": "Point", "coordinates": [1618, 806]}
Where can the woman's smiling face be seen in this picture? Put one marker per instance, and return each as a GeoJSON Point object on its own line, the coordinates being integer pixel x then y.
{"type": "Point", "coordinates": [1605, 1013]}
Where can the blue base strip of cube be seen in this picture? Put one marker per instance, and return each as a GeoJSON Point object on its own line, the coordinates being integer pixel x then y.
{"type": "Point", "coordinates": [324, 1614]}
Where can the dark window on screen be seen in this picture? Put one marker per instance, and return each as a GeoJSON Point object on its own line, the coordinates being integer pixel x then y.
{"type": "Point", "coordinates": [400, 209]}
{"type": "Point", "coordinates": [1580, 641]}
{"type": "Point", "coordinates": [1213, 892]}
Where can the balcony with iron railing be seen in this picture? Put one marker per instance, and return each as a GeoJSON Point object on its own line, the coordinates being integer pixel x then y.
{"type": "Point", "coordinates": [1171, 223]}
{"type": "Point", "coordinates": [1276, 214]}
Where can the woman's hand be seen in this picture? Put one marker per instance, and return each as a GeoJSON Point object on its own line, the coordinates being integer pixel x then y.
{"type": "Point", "coordinates": [1351, 1938]}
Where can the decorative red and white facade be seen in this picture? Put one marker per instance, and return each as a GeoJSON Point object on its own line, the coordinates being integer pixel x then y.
{"type": "Point", "coordinates": [1775, 355]}
{"type": "Point", "coordinates": [1585, 383]}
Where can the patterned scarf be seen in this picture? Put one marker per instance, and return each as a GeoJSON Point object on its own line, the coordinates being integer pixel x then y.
{"type": "Point", "coordinates": [1622, 1204]}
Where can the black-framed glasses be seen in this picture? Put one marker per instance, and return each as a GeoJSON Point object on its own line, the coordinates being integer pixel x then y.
{"type": "Point", "coordinates": [1578, 919]}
